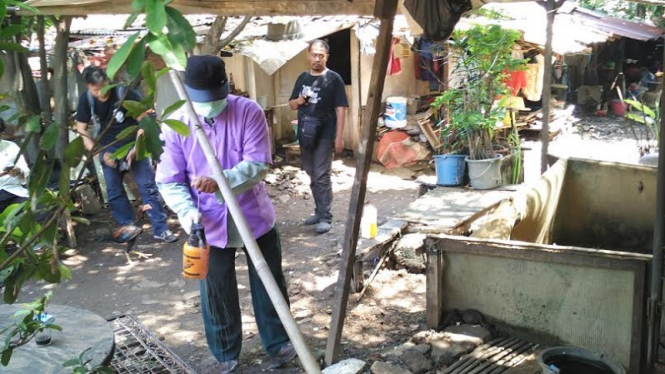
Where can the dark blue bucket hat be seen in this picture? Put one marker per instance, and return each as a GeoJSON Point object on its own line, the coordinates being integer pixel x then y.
{"type": "Point", "coordinates": [205, 79]}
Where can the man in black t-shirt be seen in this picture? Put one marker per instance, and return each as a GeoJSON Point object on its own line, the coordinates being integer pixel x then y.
{"type": "Point", "coordinates": [320, 93]}
{"type": "Point", "coordinates": [111, 120]}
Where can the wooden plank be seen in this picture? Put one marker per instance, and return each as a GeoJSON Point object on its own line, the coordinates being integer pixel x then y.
{"type": "Point", "coordinates": [388, 9]}
{"type": "Point", "coordinates": [426, 128]}
{"type": "Point", "coordinates": [385, 234]}
{"type": "Point", "coordinates": [217, 7]}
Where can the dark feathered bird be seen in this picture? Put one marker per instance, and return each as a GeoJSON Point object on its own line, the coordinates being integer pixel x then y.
{"type": "Point", "coordinates": [127, 235]}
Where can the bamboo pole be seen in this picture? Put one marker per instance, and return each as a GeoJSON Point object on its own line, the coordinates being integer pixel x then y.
{"type": "Point", "coordinates": [550, 9]}
{"type": "Point", "coordinates": [654, 306]}
{"type": "Point", "coordinates": [306, 358]}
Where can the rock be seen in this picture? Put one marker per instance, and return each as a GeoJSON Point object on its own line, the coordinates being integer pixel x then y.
{"type": "Point", "coordinates": [271, 179]}
{"type": "Point", "coordinates": [423, 348]}
{"type": "Point", "coordinates": [350, 366]}
{"type": "Point", "coordinates": [416, 361]}
{"type": "Point", "coordinates": [385, 368]}
{"type": "Point", "coordinates": [399, 350]}
{"type": "Point", "coordinates": [474, 334]}
{"type": "Point", "coordinates": [284, 198]}
{"type": "Point", "coordinates": [191, 295]}
{"type": "Point", "coordinates": [472, 317]}
{"type": "Point", "coordinates": [446, 351]}
{"type": "Point", "coordinates": [408, 253]}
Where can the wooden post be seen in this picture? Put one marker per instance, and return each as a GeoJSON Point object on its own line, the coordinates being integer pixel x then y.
{"type": "Point", "coordinates": [550, 9]}
{"type": "Point", "coordinates": [385, 10]}
{"type": "Point", "coordinates": [60, 86]}
{"type": "Point", "coordinates": [46, 90]}
{"type": "Point", "coordinates": [434, 287]}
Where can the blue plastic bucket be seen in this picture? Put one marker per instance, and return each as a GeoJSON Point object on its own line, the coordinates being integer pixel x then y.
{"type": "Point", "coordinates": [449, 169]}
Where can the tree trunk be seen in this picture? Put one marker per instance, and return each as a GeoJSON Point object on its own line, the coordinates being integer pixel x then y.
{"type": "Point", "coordinates": [212, 43]}
{"type": "Point", "coordinates": [46, 89]}
{"type": "Point", "coordinates": [60, 74]}
{"type": "Point", "coordinates": [25, 92]}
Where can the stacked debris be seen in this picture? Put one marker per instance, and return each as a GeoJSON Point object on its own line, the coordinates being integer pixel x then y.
{"type": "Point", "coordinates": [286, 182]}
{"type": "Point", "coordinates": [466, 346]}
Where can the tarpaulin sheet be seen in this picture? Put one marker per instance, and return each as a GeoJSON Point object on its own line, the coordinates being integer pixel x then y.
{"type": "Point", "coordinates": [437, 17]}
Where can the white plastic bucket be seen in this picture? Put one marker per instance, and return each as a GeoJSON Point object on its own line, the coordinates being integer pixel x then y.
{"type": "Point", "coordinates": [395, 115]}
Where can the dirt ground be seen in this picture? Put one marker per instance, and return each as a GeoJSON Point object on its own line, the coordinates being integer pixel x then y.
{"type": "Point", "coordinates": [392, 310]}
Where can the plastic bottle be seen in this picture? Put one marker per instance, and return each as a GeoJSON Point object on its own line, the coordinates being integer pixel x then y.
{"type": "Point", "coordinates": [368, 223]}
{"type": "Point", "coordinates": [195, 254]}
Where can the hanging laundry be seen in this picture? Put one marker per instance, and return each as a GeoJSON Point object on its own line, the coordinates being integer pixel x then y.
{"type": "Point", "coordinates": [515, 81]}
{"type": "Point", "coordinates": [534, 79]}
{"type": "Point", "coordinates": [394, 62]}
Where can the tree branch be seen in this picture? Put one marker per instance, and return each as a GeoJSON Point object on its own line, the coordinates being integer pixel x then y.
{"type": "Point", "coordinates": [211, 40]}
{"type": "Point", "coordinates": [234, 33]}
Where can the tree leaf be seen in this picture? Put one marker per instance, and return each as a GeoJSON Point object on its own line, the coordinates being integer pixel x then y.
{"type": "Point", "coordinates": [162, 46]}
{"type": "Point", "coordinates": [13, 47]}
{"type": "Point", "coordinates": [72, 362]}
{"type": "Point", "coordinates": [138, 4]}
{"type": "Point", "coordinates": [82, 220]}
{"type": "Point", "coordinates": [74, 151]}
{"type": "Point", "coordinates": [6, 355]}
{"type": "Point", "coordinates": [148, 74]}
{"type": "Point", "coordinates": [109, 87]}
{"type": "Point", "coordinates": [153, 144]}
{"type": "Point", "coordinates": [127, 132]}
{"type": "Point", "coordinates": [161, 73]}
{"type": "Point", "coordinates": [34, 124]}
{"type": "Point", "coordinates": [64, 182]}
{"type": "Point", "coordinates": [22, 5]}
{"type": "Point", "coordinates": [135, 59]}
{"type": "Point", "coordinates": [180, 30]}
{"type": "Point", "coordinates": [49, 137]}
{"type": "Point", "coordinates": [10, 30]}
{"type": "Point", "coordinates": [119, 58]}
{"type": "Point", "coordinates": [131, 19]}
{"type": "Point", "coordinates": [134, 108]}
{"type": "Point", "coordinates": [141, 152]}
{"type": "Point", "coordinates": [155, 14]}
{"type": "Point", "coordinates": [122, 151]}
{"type": "Point", "coordinates": [172, 108]}
{"type": "Point", "coordinates": [65, 272]}
{"type": "Point", "coordinates": [178, 126]}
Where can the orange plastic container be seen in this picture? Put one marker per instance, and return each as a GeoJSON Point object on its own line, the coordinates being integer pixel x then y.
{"type": "Point", "coordinates": [195, 254]}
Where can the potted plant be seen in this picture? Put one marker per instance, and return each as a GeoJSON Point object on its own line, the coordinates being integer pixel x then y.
{"type": "Point", "coordinates": [449, 160]}
{"type": "Point", "coordinates": [644, 123]}
{"type": "Point", "coordinates": [482, 55]}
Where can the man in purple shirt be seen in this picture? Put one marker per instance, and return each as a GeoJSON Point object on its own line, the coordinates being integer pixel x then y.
{"type": "Point", "coordinates": [238, 132]}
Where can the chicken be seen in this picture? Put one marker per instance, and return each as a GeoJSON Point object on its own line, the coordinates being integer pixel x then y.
{"type": "Point", "coordinates": [128, 235]}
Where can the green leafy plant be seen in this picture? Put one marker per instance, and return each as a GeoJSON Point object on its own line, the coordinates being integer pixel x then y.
{"type": "Point", "coordinates": [80, 365]}
{"type": "Point", "coordinates": [482, 55]}
{"type": "Point", "coordinates": [21, 232]}
{"type": "Point", "coordinates": [26, 327]}
{"type": "Point", "coordinates": [645, 125]}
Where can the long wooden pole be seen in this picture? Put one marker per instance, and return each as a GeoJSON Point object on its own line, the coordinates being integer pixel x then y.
{"type": "Point", "coordinates": [306, 358]}
{"type": "Point", "coordinates": [550, 9]}
{"type": "Point", "coordinates": [655, 299]}
{"type": "Point", "coordinates": [385, 10]}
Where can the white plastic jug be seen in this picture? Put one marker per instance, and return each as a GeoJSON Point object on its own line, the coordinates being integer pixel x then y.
{"type": "Point", "coordinates": [368, 223]}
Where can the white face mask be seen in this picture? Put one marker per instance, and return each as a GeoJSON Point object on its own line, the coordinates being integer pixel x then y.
{"type": "Point", "coordinates": [210, 109]}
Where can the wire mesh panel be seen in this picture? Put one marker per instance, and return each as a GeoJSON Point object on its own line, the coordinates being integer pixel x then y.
{"type": "Point", "coordinates": [137, 351]}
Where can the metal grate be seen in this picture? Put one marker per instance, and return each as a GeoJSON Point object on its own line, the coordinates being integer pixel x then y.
{"type": "Point", "coordinates": [138, 351]}
{"type": "Point", "coordinates": [494, 357]}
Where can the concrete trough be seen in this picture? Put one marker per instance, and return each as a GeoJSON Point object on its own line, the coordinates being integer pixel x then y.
{"type": "Point", "coordinates": [563, 261]}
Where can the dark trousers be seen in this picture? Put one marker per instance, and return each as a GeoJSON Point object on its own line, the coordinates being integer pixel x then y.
{"type": "Point", "coordinates": [221, 308]}
{"type": "Point", "coordinates": [8, 198]}
{"type": "Point", "coordinates": [317, 163]}
{"type": "Point", "coordinates": [122, 209]}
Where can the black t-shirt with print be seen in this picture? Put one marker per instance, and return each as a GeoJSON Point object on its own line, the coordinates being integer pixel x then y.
{"type": "Point", "coordinates": [104, 111]}
{"type": "Point", "coordinates": [326, 93]}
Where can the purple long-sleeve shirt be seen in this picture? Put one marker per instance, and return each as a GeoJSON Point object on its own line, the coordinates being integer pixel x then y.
{"type": "Point", "coordinates": [240, 133]}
